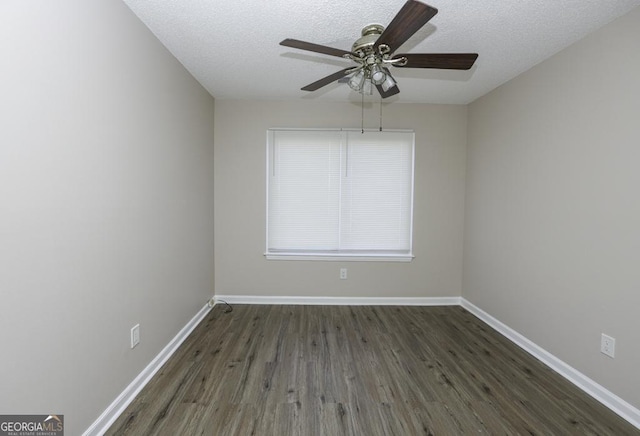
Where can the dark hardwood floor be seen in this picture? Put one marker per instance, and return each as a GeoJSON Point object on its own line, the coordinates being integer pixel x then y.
{"type": "Point", "coordinates": [358, 370]}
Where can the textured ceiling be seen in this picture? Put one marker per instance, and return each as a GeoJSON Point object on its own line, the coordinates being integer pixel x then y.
{"type": "Point", "coordinates": [232, 47]}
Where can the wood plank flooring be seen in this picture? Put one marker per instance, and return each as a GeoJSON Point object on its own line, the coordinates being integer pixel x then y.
{"type": "Point", "coordinates": [358, 370]}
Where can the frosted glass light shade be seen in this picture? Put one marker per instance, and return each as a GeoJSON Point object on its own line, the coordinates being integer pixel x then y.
{"type": "Point", "coordinates": [356, 81]}
{"type": "Point", "coordinates": [388, 83]}
{"type": "Point", "coordinates": [378, 76]}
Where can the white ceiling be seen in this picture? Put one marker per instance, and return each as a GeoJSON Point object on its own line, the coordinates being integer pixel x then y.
{"type": "Point", "coordinates": [232, 47]}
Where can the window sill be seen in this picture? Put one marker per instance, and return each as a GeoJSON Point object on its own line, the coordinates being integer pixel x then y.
{"type": "Point", "coordinates": [343, 257]}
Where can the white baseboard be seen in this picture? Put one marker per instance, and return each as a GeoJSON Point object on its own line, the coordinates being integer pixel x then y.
{"type": "Point", "coordinates": [115, 409]}
{"type": "Point", "coordinates": [339, 301]}
{"type": "Point", "coordinates": [604, 396]}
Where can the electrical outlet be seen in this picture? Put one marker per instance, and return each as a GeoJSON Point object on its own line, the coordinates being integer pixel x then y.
{"type": "Point", "coordinates": [608, 345]}
{"type": "Point", "coordinates": [343, 274]}
{"type": "Point", "coordinates": [135, 335]}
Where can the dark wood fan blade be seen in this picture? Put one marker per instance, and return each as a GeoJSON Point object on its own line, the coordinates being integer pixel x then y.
{"type": "Point", "coordinates": [309, 46]}
{"type": "Point", "coordinates": [326, 80]}
{"type": "Point", "coordinates": [407, 21]}
{"type": "Point", "coordinates": [391, 91]}
{"type": "Point", "coordinates": [446, 61]}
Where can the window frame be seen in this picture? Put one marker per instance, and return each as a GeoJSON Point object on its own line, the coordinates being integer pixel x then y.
{"type": "Point", "coordinates": [341, 255]}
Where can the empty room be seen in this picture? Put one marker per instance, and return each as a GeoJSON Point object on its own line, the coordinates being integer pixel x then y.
{"type": "Point", "coordinates": [319, 218]}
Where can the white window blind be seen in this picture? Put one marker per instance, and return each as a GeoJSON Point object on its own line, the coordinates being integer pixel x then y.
{"type": "Point", "coordinates": [339, 193]}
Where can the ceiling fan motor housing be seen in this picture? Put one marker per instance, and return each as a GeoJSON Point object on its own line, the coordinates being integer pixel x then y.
{"type": "Point", "coordinates": [370, 34]}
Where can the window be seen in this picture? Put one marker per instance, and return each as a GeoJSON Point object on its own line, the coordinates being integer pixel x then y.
{"type": "Point", "coordinates": [339, 194]}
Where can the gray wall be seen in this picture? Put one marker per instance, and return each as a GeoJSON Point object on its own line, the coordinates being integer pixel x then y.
{"type": "Point", "coordinates": [106, 197]}
{"type": "Point", "coordinates": [241, 268]}
{"type": "Point", "coordinates": [552, 232]}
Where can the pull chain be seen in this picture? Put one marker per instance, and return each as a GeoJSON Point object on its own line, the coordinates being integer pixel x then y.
{"type": "Point", "coordinates": [381, 113]}
{"type": "Point", "coordinates": [362, 117]}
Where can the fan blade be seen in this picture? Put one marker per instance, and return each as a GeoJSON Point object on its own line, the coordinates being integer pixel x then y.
{"type": "Point", "coordinates": [446, 61]}
{"type": "Point", "coordinates": [407, 21]}
{"type": "Point", "coordinates": [326, 80]}
{"type": "Point", "coordinates": [391, 91]}
{"type": "Point", "coordinates": [309, 46]}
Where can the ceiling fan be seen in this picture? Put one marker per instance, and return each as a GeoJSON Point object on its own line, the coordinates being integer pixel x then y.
{"type": "Point", "coordinates": [374, 51]}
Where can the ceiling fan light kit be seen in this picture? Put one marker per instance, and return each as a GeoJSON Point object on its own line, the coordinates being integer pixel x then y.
{"type": "Point", "coordinates": [374, 51]}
